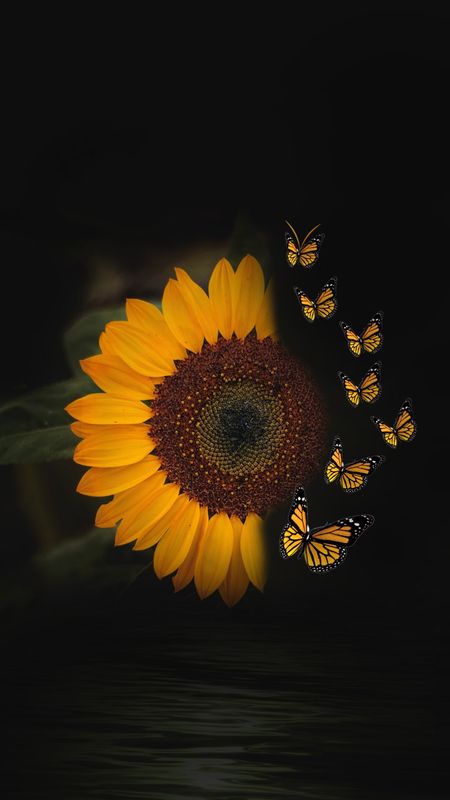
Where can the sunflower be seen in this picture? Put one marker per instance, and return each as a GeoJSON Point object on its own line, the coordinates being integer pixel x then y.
{"type": "Point", "coordinates": [204, 424]}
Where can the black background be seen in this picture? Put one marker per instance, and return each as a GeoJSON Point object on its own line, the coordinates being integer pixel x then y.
{"type": "Point", "coordinates": [153, 141]}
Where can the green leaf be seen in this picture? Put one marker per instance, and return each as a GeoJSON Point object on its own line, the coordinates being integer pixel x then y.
{"type": "Point", "coordinates": [86, 568]}
{"type": "Point", "coordinates": [34, 426]}
{"type": "Point", "coordinates": [81, 340]}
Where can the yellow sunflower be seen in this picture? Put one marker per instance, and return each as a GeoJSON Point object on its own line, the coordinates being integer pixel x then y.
{"type": "Point", "coordinates": [204, 424]}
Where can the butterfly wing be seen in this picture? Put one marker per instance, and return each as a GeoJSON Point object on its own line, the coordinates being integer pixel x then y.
{"type": "Point", "coordinates": [372, 337]}
{"type": "Point", "coordinates": [327, 547]}
{"type": "Point", "coordinates": [292, 250]}
{"type": "Point", "coordinates": [370, 386]}
{"type": "Point", "coordinates": [353, 340]}
{"type": "Point", "coordinates": [356, 474]}
{"type": "Point", "coordinates": [293, 535]}
{"type": "Point", "coordinates": [387, 431]}
{"type": "Point", "coordinates": [310, 247]}
{"type": "Point", "coordinates": [326, 302]}
{"type": "Point", "coordinates": [307, 305]}
{"type": "Point", "coordinates": [336, 462]}
{"type": "Point", "coordinates": [405, 427]}
{"type": "Point", "coordinates": [351, 389]}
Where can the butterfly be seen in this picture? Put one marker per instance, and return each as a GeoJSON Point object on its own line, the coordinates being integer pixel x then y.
{"type": "Point", "coordinates": [323, 306]}
{"type": "Point", "coordinates": [368, 390]}
{"type": "Point", "coordinates": [352, 476]}
{"type": "Point", "coordinates": [307, 253]}
{"type": "Point", "coordinates": [370, 340]}
{"type": "Point", "coordinates": [323, 548]}
{"type": "Point", "coordinates": [404, 427]}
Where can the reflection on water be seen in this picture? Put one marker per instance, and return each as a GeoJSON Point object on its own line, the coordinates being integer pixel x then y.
{"type": "Point", "coordinates": [214, 714]}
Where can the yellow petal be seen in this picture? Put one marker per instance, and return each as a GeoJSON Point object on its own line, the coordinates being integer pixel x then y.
{"type": "Point", "coordinates": [105, 345]}
{"type": "Point", "coordinates": [236, 580]}
{"type": "Point", "coordinates": [185, 572]}
{"type": "Point", "coordinates": [198, 301]}
{"type": "Point", "coordinates": [100, 482]}
{"type": "Point", "coordinates": [174, 546]}
{"type": "Point", "coordinates": [111, 374]}
{"type": "Point", "coordinates": [214, 555]}
{"type": "Point", "coordinates": [128, 502]}
{"type": "Point", "coordinates": [135, 525]}
{"type": "Point", "coordinates": [180, 318]}
{"type": "Point", "coordinates": [248, 293]}
{"type": "Point", "coordinates": [149, 319]}
{"type": "Point", "coordinates": [83, 429]}
{"type": "Point", "coordinates": [253, 550]}
{"type": "Point", "coordinates": [153, 535]}
{"type": "Point", "coordinates": [265, 321]}
{"type": "Point", "coordinates": [108, 409]}
{"type": "Point", "coordinates": [125, 444]}
{"type": "Point", "coordinates": [144, 353]}
{"type": "Point", "coordinates": [220, 289]}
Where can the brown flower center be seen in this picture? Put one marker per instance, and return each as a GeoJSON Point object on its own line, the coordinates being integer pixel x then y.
{"type": "Point", "coordinates": [239, 425]}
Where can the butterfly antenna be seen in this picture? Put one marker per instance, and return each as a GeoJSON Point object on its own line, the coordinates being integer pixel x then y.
{"type": "Point", "coordinates": [292, 229]}
{"type": "Point", "coordinates": [309, 234]}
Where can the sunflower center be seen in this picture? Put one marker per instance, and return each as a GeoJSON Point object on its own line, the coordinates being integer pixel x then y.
{"type": "Point", "coordinates": [238, 430]}
{"type": "Point", "coordinates": [239, 425]}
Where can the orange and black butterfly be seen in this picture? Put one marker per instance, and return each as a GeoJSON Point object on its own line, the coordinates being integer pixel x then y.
{"type": "Point", "coordinates": [368, 390]}
{"type": "Point", "coordinates": [325, 547]}
{"type": "Point", "coordinates": [370, 339]}
{"type": "Point", "coordinates": [323, 306]}
{"type": "Point", "coordinates": [404, 428]}
{"type": "Point", "coordinates": [306, 253]}
{"type": "Point", "coordinates": [352, 476]}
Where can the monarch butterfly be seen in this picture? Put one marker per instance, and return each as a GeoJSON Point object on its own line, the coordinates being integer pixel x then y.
{"type": "Point", "coordinates": [368, 390]}
{"type": "Point", "coordinates": [307, 253]}
{"type": "Point", "coordinates": [403, 429]}
{"type": "Point", "coordinates": [324, 305]}
{"type": "Point", "coordinates": [370, 340]}
{"type": "Point", "coordinates": [323, 548]}
{"type": "Point", "coordinates": [352, 476]}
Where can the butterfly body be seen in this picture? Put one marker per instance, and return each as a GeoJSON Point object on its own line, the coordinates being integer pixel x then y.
{"type": "Point", "coordinates": [369, 341]}
{"type": "Point", "coordinates": [324, 548]}
{"type": "Point", "coordinates": [404, 428]}
{"type": "Point", "coordinates": [307, 253]}
{"type": "Point", "coordinates": [352, 476]}
{"type": "Point", "coordinates": [324, 305]}
{"type": "Point", "coordinates": [367, 391]}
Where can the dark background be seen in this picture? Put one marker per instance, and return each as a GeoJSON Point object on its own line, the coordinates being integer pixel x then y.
{"type": "Point", "coordinates": [124, 154]}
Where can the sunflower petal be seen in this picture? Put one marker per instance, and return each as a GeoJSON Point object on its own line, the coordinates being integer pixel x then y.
{"type": "Point", "coordinates": [149, 319]}
{"type": "Point", "coordinates": [83, 429]}
{"type": "Point", "coordinates": [185, 572]}
{"type": "Point", "coordinates": [153, 535]}
{"type": "Point", "coordinates": [134, 525]}
{"type": "Point", "coordinates": [126, 444]}
{"type": "Point", "coordinates": [236, 580]}
{"type": "Point", "coordinates": [143, 353]}
{"type": "Point", "coordinates": [101, 482]}
{"type": "Point", "coordinates": [174, 546]}
{"type": "Point", "coordinates": [111, 374]}
{"type": "Point", "coordinates": [128, 502]}
{"type": "Point", "coordinates": [108, 409]}
{"type": "Point", "coordinates": [181, 318]}
{"type": "Point", "coordinates": [221, 289]}
{"type": "Point", "coordinates": [253, 550]}
{"type": "Point", "coordinates": [265, 321]}
{"type": "Point", "coordinates": [105, 345]}
{"type": "Point", "coordinates": [248, 293]}
{"type": "Point", "coordinates": [214, 555]}
{"type": "Point", "coordinates": [198, 301]}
